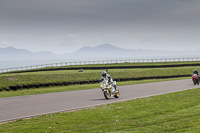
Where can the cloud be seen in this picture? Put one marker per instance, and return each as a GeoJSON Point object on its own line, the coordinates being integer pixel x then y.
{"type": "Point", "coordinates": [76, 39]}
{"type": "Point", "coordinates": [4, 44]}
{"type": "Point", "coordinates": [152, 38]}
{"type": "Point", "coordinates": [71, 39]}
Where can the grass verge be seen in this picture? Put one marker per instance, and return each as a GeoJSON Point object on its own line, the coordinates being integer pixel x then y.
{"type": "Point", "coordinates": [73, 87]}
{"type": "Point", "coordinates": [174, 112]}
{"type": "Point", "coordinates": [7, 80]}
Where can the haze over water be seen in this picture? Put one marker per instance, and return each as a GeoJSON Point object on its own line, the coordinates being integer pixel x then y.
{"type": "Point", "coordinates": [22, 63]}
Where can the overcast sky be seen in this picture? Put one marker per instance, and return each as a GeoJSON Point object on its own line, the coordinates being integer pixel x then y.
{"type": "Point", "coordinates": [63, 26]}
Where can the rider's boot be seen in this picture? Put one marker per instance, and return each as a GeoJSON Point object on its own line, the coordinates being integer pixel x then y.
{"type": "Point", "coordinates": [115, 87]}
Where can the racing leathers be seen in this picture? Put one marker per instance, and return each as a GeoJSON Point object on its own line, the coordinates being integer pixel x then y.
{"type": "Point", "coordinates": [108, 78]}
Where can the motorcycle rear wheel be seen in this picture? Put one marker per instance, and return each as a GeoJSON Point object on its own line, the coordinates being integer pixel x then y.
{"type": "Point", "coordinates": [194, 82]}
{"type": "Point", "coordinates": [116, 94]}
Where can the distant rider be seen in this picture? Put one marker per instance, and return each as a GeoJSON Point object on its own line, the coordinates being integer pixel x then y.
{"type": "Point", "coordinates": [196, 72]}
{"type": "Point", "coordinates": [106, 76]}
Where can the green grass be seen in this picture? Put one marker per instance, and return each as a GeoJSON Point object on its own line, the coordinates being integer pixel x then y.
{"type": "Point", "coordinates": [14, 79]}
{"type": "Point", "coordinates": [175, 112]}
{"type": "Point", "coordinates": [72, 88]}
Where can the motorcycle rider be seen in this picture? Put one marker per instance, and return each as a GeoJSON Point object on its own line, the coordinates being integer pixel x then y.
{"type": "Point", "coordinates": [106, 76]}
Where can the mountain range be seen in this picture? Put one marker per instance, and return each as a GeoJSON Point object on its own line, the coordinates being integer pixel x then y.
{"type": "Point", "coordinates": [110, 51]}
{"type": "Point", "coordinates": [9, 53]}
{"type": "Point", "coordinates": [100, 51]}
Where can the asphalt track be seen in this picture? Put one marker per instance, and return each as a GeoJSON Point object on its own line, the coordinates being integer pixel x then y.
{"type": "Point", "coordinates": [13, 108]}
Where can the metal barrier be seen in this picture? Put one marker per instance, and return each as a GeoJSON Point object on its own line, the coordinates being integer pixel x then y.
{"type": "Point", "coordinates": [100, 62]}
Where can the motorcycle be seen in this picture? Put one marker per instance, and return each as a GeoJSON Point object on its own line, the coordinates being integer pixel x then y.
{"type": "Point", "coordinates": [195, 79]}
{"type": "Point", "coordinates": [109, 89]}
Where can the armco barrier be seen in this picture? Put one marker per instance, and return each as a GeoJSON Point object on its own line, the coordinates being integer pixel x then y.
{"type": "Point", "coordinates": [111, 67]}
{"type": "Point", "coordinates": [86, 82]}
{"type": "Point", "coordinates": [100, 62]}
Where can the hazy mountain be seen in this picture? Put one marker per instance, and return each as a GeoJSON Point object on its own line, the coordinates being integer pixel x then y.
{"type": "Point", "coordinates": [110, 51]}
{"type": "Point", "coordinates": [101, 51]}
{"type": "Point", "coordinates": [16, 54]}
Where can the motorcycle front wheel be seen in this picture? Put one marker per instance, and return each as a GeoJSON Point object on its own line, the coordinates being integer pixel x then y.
{"type": "Point", "coordinates": [107, 94]}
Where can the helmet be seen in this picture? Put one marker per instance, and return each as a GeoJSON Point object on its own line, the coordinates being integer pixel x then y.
{"type": "Point", "coordinates": [195, 69]}
{"type": "Point", "coordinates": [104, 73]}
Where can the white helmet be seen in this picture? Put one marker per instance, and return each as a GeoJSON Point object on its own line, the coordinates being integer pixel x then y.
{"type": "Point", "coordinates": [104, 73]}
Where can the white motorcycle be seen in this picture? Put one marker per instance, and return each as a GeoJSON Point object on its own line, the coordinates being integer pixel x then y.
{"type": "Point", "coordinates": [109, 89]}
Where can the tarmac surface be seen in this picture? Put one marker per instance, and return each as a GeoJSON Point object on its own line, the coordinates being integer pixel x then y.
{"type": "Point", "coordinates": [13, 108]}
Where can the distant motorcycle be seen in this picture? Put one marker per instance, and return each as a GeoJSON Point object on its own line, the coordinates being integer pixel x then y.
{"type": "Point", "coordinates": [195, 79]}
{"type": "Point", "coordinates": [109, 89]}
